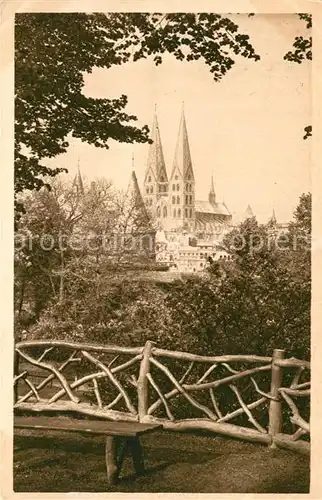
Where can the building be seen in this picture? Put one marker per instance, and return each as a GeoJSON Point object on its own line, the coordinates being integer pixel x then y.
{"type": "Point", "coordinates": [186, 233]}
{"type": "Point", "coordinates": [171, 198]}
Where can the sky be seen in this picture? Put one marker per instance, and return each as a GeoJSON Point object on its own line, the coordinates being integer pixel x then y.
{"type": "Point", "coordinates": [246, 130]}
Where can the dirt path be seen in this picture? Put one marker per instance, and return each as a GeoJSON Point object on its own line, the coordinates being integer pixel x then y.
{"type": "Point", "coordinates": [175, 463]}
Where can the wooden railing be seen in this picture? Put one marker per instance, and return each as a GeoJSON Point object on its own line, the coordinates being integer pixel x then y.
{"type": "Point", "coordinates": [248, 397]}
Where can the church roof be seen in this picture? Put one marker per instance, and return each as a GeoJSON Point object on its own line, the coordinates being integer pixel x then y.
{"type": "Point", "coordinates": [78, 182]}
{"type": "Point", "coordinates": [273, 219]}
{"type": "Point", "coordinates": [155, 163]}
{"type": "Point", "coordinates": [248, 212]}
{"type": "Point", "coordinates": [208, 208]}
{"type": "Point", "coordinates": [182, 157]}
{"type": "Point", "coordinates": [212, 186]}
{"type": "Point", "coordinates": [135, 201]}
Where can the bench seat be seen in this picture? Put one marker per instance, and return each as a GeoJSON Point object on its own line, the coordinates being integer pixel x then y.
{"type": "Point", "coordinates": [121, 438]}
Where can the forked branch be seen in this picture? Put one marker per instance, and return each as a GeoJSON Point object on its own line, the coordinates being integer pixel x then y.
{"type": "Point", "coordinates": [246, 410]}
{"type": "Point", "coordinates": [240, 411]}
{"type": "Point", "coordinates": [97, 393]}
{"type": "Point", "coordinates": [180, 388]}
{"type": "Point", "coordinates": [296, 417]}
{"type": "Point", "coordinates": [262, 393]}
{"type": "Point", "coordinates": [52, 369]}
{"type": "Point", "coordinates": [113, 379]}
{"type": "Point", "coordinates": [42, 384]}
{"type": "Point", "coordinates": [214, 402]}
{"type": "Point", "coordinates": [159, 392]}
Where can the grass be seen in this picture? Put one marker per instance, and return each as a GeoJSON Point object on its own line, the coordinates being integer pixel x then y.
{"type": "Point", "coordinates": [185, 463]}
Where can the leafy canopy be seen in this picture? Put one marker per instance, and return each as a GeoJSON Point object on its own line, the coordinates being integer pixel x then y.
{"type": "Point", "coordinates": [302, 51]}
{"type": "Point", "coordinates": [54, 51]}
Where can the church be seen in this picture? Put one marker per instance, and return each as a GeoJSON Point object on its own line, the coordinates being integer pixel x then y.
{"type": "Point", "coordinates": [179, 231]}
{"type": "Point", "coordinates": [171, 198]}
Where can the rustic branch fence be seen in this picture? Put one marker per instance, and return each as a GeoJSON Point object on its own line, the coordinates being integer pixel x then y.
{"type": "Point", "coordinates": [153, 385]}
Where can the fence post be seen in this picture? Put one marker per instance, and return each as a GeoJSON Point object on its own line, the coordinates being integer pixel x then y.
{"type": "Point", "coordinates": [142, 387]}
{"type": "Point", "coordinates": [16, 372]}
{"type": "Point", "coordinates": [275, 406]}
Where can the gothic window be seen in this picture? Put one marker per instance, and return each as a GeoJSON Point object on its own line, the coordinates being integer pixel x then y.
{"type": "Point", "coordinates": [158, 212]}
{"type": "Point", "coordinates": [186, 212]}
{"type": "Point", "coordinates": [160, 189]}
{"type": "Point", "coordinates": [150, 201]}
{"type": "Point", "coordinates": [188, 177]}
{"type": "Point", "coordinates": [174, 212]}
{"type": "Point", "coordinates": [176, 177]}
{"type": "Point", "coordinates": [165, 211]}
{"type": "Point", "coordinates": [149, 178]}
{"type": "Point", "coordinates": [190, 200]}
{"type": "Point", "coordinates": [173, 187]}
{"type": "Point", "coordinates": [190, 213]}
{"type": "Point", "coordinates": [179, 212]}
{"type": "Point", "coordinates": [162, 178]}
{"type": "Point", "coordinates": [151, 189]}
{"type": "Point", "coordinates": [187, 199]}
{"type": "Point", "coordinates": [178, 200]}
{"type": "Point", "coordinates": [173, 200]}
{"type": "Point", "coordinates": [147, 190]}
{"type": "Point", "coordinates": [178, 187]}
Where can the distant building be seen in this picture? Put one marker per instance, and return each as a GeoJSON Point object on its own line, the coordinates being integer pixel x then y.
{"type": "Point", "coordinates": [276, 228]}
{"type": "Point", "coordinates": [171, 199]}
{"type": "Point", "coordinates": [186, 233]}
{"type": "Point", "coordinates": [182, 220]}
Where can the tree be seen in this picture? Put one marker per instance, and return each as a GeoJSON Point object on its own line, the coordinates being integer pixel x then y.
{"type": "Point", "coordinates": [38, 254]}
{"type": "Point", "coordinates": [67, 239]}
{"type": "Point", "coordinates": [302, 51]}
{"type": "Point", "coordinates": [52, 53]}
{"type": "Point", "coordinates": [302, 44]}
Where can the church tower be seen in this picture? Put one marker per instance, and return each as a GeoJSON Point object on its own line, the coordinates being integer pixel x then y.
{"type": "Point", "coordinates": [181, 204]}
{"type": "Point", "coordinates": [156, 179]}
{"type": "Point", "coordinates": [78, 182]}
{"type": "Point", "coordinates": [212, 193]}
{"type": "Point", "coordinates": [248, 213]}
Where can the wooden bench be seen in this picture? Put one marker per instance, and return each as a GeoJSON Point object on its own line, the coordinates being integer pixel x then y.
{"type": "Point", "coordinates": [121, 438]}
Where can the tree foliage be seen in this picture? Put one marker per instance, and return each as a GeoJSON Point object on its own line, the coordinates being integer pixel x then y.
{"type": "Point", "coordinates": [302, 44]}
{"type": "Point", "coordinates": [254, 303]}
{"type": "Point", "coordinates": [302, 50]}
{"type": "Point", "coordinates": [54, 51]}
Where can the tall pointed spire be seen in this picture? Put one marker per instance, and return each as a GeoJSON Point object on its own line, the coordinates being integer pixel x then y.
{"type": "Point", "coordinates": [182, 158]}
{"type": "Point", "coordinates": [212, 193]}
{"type": "Point", "coordinates": [155, 164]}
{"type": "Point", "coordinates": [272, 220]}
{"type": "Point", "coordinates": [135, 198]}
{"type": "Point", "coordinates": [134, 191]}
{"type": "Point", "coordinates": [249, 212]}
{"type": "Point", "coordinates": [78, 181]}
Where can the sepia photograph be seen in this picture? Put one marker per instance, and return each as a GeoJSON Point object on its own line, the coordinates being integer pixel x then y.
{"type": "Point", "coordinates": [162, 252]}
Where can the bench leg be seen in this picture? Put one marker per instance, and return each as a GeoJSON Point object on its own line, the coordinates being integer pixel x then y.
{"type": "Point", "coordinates": [114, 462]}
{"type": "Point", "coordinates": [137, 454]}
{"type": "Point", "coordinates": [111, 459]}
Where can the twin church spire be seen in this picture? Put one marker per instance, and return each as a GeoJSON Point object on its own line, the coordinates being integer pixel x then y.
{"type": "Point", "coordinates": [182, 163]}
{"type": "Point", "coordinates": [156, 165]}
{"type": "Point", "coordinates": [177, 193]}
